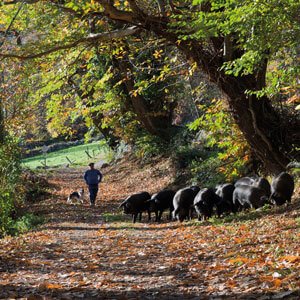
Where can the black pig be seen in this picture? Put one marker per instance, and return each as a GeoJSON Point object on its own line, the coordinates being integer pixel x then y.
{"type": "Point", "coordinates": [249, 196]}
{"type": "Point", "coordinates": [282, 188]}
{"type": "Point", "coordinates": [264, 184]}
{"type": "Point", "coordinates": [245, 181]}
{"type": "Point", "coordinates": [136, 204]}
{"type": "Point", "coordinates": [183, 202]}
{"type": "Point", "coordinates": [204, 203]}
{"type": "Point", "coordinates": [161, 201]}
{"type": "Point", "coordinates": [225, 192]}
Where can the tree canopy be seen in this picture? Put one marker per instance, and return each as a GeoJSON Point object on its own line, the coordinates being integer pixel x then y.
{"type": "Point", "coordinates": [122, 62]}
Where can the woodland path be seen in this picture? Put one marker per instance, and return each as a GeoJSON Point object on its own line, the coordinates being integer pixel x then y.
{"type": "Point", "coordinates": [97, 253]}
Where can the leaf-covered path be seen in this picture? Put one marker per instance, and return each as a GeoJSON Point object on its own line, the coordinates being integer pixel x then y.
{"type": "Point", "coordinates": [97, 253]}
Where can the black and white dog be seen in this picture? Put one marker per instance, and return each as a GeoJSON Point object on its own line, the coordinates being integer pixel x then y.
{"type": "Point", "coordinates": [76, 197]}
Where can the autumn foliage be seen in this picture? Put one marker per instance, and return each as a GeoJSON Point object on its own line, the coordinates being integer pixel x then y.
{"type": "Point", "coordinates": [88, 253]}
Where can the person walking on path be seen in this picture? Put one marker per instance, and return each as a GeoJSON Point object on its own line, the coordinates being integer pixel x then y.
{"type": "Point", "coordinates": [92, 178]}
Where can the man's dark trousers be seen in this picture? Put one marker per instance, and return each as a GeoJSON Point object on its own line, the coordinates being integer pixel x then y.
{"type": "Point", "coordinates": [93, 189]}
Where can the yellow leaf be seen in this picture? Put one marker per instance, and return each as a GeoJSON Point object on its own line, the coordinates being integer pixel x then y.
{"type": "Point", "coordinates": [277, 282]}
{"type": "Point", "coordinates": [231, 283]}
{"type": "Point", "coordinates": [291, 258]}
{"type": "Point", "coordinates": [266, 278]}
{"type": "Point", "coordinates": [49, 286]}
{"type": "Point", "coordinates": [239, 260]}
{"type": "Point", "coordinates": [157, 53]}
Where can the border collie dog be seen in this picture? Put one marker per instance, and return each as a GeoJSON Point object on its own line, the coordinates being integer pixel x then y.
{"type": "Point", "coordinates": [76, 197]}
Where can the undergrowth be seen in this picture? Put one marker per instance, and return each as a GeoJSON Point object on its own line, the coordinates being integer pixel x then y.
{"type": "Point", "coordinates": [9, 182]}
{"type": "Point", "coordinates": [24, 224]}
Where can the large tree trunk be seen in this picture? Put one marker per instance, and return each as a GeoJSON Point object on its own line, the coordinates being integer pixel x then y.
{"type": "Point", "coordinates": [257, 119]}
{"type": "Point", "coordinates": [266, 132]}
{"type": "Point", "coordinates": [260, 124]}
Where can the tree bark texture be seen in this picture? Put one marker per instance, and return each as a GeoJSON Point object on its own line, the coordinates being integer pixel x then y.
{"type": "Point", "coordinates": [262, 126]}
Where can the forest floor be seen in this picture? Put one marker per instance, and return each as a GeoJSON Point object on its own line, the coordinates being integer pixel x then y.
{"type": "Point", "coordinates": [97, 253]}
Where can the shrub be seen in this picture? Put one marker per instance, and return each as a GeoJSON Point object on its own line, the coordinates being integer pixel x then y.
{"type": "Point", "coordinates": [9, 179]}
{"type": "Point", "coordinates": [24, 224]}
{"type": "Point", "coordinates": [232, 153]}
{"type": "Point", "coordinates": [147, 146]}
{"type": "Point", "coordinates": [205, 172]}
{"type": "Point", "coordinates": [187, 154]}
{"type": "Point", "coordinates": [33, 185]}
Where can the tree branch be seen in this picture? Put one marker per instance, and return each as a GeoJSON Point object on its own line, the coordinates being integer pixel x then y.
{"type": "Point", "coordinates": [111, 12]}
{"type": "Point", "coordinates": [20, 1]}
{"type": "Point", "coordinates": [14, 18]}
{"type": "Point", "coordinates": [135, 8]}
{"type": "Point", "coordinates": [100, 37]}
{"type": "Point", "coordinates": [10, 25]}
{"type": "Point", "coordinates": [67, 10]}
{"type": "Point", "coordinates": [162, 7]}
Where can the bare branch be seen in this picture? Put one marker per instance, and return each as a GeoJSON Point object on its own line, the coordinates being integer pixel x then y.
{"type": "Point", "coordinates": [100, 37]}
{"type": "Point", "coordinates": [20, 1]}
{"type": "Point", "coordinates": [67, 10]}
{"type": "Point", "coordinates": [135, 8]}
{"type": "Point", "coordinates": [14, 18]}
{"type": "Point", "coordinates": [11, 24]}
{"type": "Point", "coordinates": [111, 12]}
{"type": "Point", "coordinates": [162, 7]}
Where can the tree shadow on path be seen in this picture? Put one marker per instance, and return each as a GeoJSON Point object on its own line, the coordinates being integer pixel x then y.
{"type": "Point", "coordinates": [164, 293]}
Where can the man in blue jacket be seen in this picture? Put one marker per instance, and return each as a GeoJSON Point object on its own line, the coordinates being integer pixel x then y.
{"type": "Point", "coordinates": [92, 178]}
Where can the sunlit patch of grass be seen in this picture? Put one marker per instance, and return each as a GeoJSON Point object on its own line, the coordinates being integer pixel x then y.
{"type": "Point", "coordinates": [243, 216]}
{"type": "Point", "coordinates": [122, 221]}
{"type": "Point", "coordinates": [113, 217]}
{"type": "Point", "coordinates": [78, 155]}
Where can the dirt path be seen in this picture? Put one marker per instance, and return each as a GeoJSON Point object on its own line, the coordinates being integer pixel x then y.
{"type": "Point", "coordinates": [97, 253]}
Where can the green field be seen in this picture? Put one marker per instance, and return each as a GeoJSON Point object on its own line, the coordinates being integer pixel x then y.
{"type": "Point", "coordinates": [77, 155]}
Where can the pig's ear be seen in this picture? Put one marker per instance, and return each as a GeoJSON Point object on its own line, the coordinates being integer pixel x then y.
{"type": "Point", "coordinates": [157, 201]}
{"type": "Point", "coordinates": [264, 199]}
{"type": "Point", "coordinates": [122, 204]}
{"type": "Point", "coordinates": [271, 200]}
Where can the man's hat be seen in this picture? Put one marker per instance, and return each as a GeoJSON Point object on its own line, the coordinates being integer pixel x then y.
{"type": "Point", "coordinates": [91, 164]}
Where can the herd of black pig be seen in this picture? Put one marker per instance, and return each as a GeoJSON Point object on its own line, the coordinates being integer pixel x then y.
{"type": "Point", "coordinates": [245, 193]}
